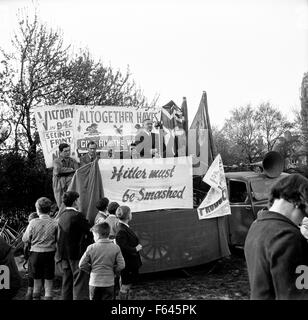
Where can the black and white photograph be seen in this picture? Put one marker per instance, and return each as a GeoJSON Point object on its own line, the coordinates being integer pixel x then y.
{"type": "Point", "coordinates": [153, 153]}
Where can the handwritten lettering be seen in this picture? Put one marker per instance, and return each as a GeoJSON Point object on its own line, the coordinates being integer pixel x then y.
{"type": "Point", "coordinates": [58, 114]}
{"type": "Point", "coordinates": [143, 195]}
{"type": "Point", "coordinates": [106, 117]}
{"type": "Point", "coordinates": [130, 173]}
{"type": "Point", "coordinates": [166, 173]}
{"type": "Point", "coordinates": [212, 207]}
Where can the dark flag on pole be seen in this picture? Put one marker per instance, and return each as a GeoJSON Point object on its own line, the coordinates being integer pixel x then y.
{"type": "Point", "coordinates": [87, 182]}
{"type": "Point", "coordinates": [202, 139]}
{"type": "Point", "coordinates": [172, 124]}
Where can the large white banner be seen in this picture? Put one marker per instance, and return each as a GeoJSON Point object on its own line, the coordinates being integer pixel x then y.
{"type": "Point", "coordinates": [109, 126]}
{"type": "Point", "coordinates": [216, 203]}
{"type": "Point", "coordinates": [56, 124]}
{"type": "Point", "coordinates": [148, 184]}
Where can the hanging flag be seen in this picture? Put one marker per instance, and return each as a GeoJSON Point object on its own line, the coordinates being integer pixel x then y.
{"type": "Point", "coordinates": [172, 122]}
{"type": "Point", "coordinates": [88, 183]}
{"type": "Point", "coordinates": [216, 203]}
{"type": "Point", "coordinates": [201, 138]}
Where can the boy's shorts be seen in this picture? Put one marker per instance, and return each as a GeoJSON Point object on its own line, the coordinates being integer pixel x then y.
{"type": "Point", "coordinates": [101, 293]}
{"type": "Point", "coordinates": [42, 265]}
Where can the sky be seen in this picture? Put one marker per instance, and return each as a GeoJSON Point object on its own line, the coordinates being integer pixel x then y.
{"type": "Point", "coordinates": [239, 51]}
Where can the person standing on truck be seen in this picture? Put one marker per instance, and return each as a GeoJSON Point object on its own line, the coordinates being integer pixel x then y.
{"type": "Point", "coordinates": [90, 156]}
{"type": "Point", "coordinates": [63, 170]}
{"type": "Point", "coordinates": [147, 142]}
{"type": "Point", "coordinates": [274, 246]}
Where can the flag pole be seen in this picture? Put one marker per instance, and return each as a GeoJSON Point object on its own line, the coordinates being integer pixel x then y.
{"type": "Point", "coordinates": [184, 110]}
{"type": "Point", "coordinates": [212, 147]}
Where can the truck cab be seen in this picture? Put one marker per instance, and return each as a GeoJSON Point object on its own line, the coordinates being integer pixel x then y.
{"type": "Point", "coordinates": [248, 193]}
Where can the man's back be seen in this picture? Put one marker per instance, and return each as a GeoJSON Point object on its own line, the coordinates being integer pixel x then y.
{"type": "Point", "coordinates": [72, 229]}
{"type": "Point", "coordinates": [274, 248]}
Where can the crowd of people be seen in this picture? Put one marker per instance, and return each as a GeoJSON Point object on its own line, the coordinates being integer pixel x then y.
{"type": "Point", "coordinates": [103, 261]}
{"type": "Point", "coordinates": [97, 263]}
{"type": "Point", "coordinates": [94, 260]}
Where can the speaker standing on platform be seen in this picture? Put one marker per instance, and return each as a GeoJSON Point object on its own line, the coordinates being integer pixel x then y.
{"type": "Point", "coordinates": [63, 170]}
{"type": "Point", "coordinates": [91, 155]}
{"type": "Point", "coordinates": [147, 142]}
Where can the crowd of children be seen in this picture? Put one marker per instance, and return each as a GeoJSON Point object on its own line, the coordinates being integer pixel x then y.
{"type": "Point", "coordinates": [96, 261]}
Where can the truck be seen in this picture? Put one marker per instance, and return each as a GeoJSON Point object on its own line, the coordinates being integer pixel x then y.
{"type": "Point", "coordinates": [176, 238]}
{"type": "Point", "coordinates": [248, 194]}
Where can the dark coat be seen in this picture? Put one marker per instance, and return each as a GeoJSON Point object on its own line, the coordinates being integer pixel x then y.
{"type": "Point", "coordinates": [274, 248]}
{"type": "Point", "coordinates": [73, 235]}
{"type": "Point", "coordinates": [127, 240]}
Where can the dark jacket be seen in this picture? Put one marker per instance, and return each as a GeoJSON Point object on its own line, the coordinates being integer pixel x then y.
{"type": "Point", "coordinates": [73, 235]}
{"type": "Point", "coordinates": [7, 259]}
{"type": "Point", "coordinates": [274, 248]}
{"type": "Point", "coordinates": [127, 240]}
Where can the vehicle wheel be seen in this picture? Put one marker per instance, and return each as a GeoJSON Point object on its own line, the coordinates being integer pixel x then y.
{"type": "Point", "coordinates": [151, 248]}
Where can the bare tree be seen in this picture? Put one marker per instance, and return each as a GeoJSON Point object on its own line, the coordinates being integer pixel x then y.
{"type": "Point", "coordinates": [271, 124]}
{"type": "Point", "coordinates": [39, 64]}
{"type": "Point", "coordinates": [242, 130]}
{"type": "Point", "coordinates": [229, 151]}
{"type": "Point", "coordinates": [41, 72]}
{"type": "Point", "coordinates": [92, 83]}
